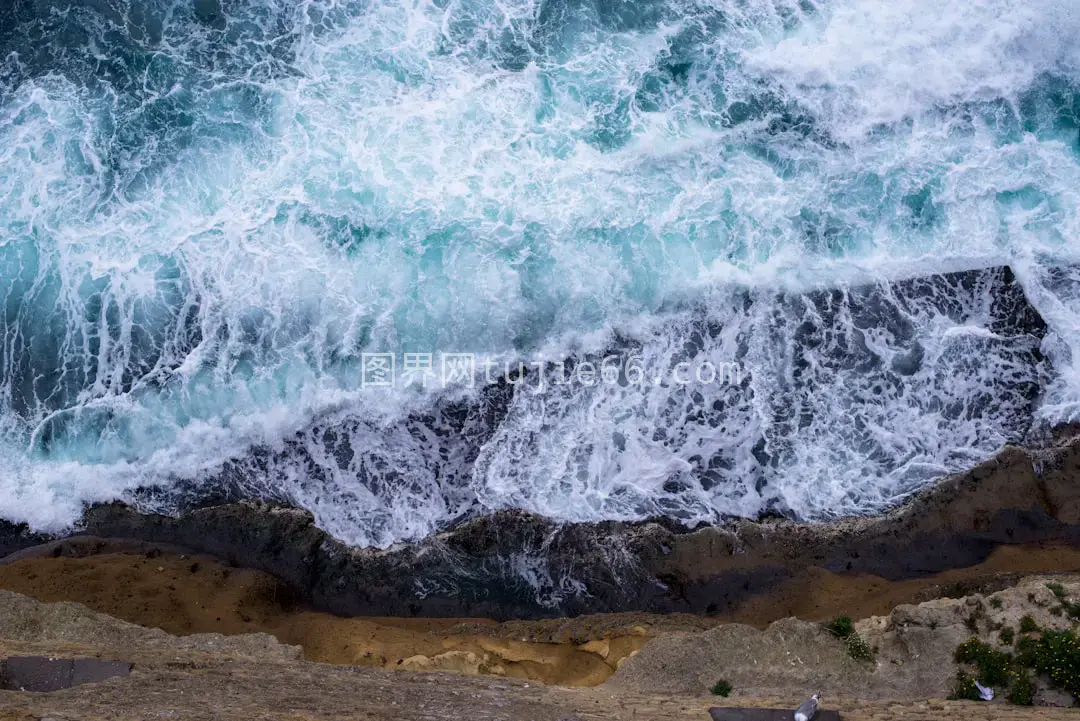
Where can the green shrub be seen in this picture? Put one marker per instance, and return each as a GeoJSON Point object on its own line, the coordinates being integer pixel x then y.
{"type": "Point", "coordinates": [721, 688]}
{"type": "Point", "coordinates": [970, 651]}
{"type": "Point", "coordinates": [1026, 648]}
{"type": "Point", "coordinates": [1072, 609]}
{"type": "Point", "coordinates": [1028, 625]}
{"type": "Point", "coordinates": [1058, 658]}
{"type": "Point", "coordinates": [964, 688]}
{"type": "Point", "coordinates": [1022, 691]}
{"type": "Point", "coordinates": [1006, 636]}
{"type": "Point", "coordinates": [842, 626]}
{"type": "Point", "coordinates": [995, 667]}
{"type": "Point", "coordinates": [1055, 655]}
{"type": "Point", "coordinates": [858, 648]}
{"type": "Point", "coordinates": [1057, 589]}
{"type": "Point", "coordinates": [995, 602]}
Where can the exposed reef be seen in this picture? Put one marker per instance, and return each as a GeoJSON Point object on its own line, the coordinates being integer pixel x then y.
{"type": "Point", "coordinates": [515, 565]}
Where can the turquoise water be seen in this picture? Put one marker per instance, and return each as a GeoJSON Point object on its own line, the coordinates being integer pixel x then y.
{"type": "Point", "coordinates": [209, 210]}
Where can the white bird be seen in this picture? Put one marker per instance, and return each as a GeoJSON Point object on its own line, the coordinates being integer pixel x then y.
{"type": "Point", "coordinates": [986, 694]}
{"type": "Point", "coordinates": [807, 709]}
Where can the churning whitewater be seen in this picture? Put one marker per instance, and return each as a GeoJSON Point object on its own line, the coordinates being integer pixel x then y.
{"type": "Point", "coordinates": [210, 210]}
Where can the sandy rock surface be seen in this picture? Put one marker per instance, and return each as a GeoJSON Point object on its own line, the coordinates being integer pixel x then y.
{"type": "Point", "coordinates": [253, 676]}
{"type": "Point", "coordinates": [201, 678]}
{"type": "Point", "coordinates": [914, 649]}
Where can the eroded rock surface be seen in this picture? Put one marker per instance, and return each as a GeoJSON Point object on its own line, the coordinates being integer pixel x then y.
{"type": "Point", "coordinates": [25, 620]}
{"type": "Point", "coordinates": [914, 649]}
{"type": "Point", "coordinates": [514, 565]}
{"type": "Point", "coordinates": [201, 678]}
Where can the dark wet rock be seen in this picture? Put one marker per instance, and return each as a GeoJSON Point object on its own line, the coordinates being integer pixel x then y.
{"type": "Point", "coordinates": [42, 674]}
{"type": "Point", "coordinates": [86, 546]}
{"type": "Point", "coordinates": [764, 714]}
{"type": "Point", "coordinates": [516, 565]}
{"type": "Point", "coordinates": [16, 536]}
{"type": "Point", "coordinates": [1016, 497]}
{"type": "Point", "coordinates": [508, 565]}
{"type": "Point", "coordinates": [876, 350]}
{"type": "Point", "coordinates": [512, 564]}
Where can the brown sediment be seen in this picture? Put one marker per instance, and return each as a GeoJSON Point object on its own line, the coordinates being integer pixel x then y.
{"type": "Point", "coordinates": [818, 594]}
{"type": "Point", "coordinates": [251, 678]}
{"type": "Point", "coordinates": [189, 594]}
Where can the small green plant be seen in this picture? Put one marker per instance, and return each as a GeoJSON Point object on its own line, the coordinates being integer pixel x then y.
{"type": "Point", "coordinates": [721, 688]}
{"type": "Point", "coordinates": [969, 651]}
{"type": "Point", "coordinates": [964, 687]}
{"type": "Point", "coordinates": [995, 602]}
{"type": "Point", "coordinates": [1028, 625]}
{"type": "Point", "coordinates": [1022, 691]}
{"type": "Point", "coordinates": [1055, 655]}
{"type": "Point", "coordinates": [842, 626]}
{"type": "Point", "coordinates": [1007, 635]}
{"type": "Point", "coordinates": [858, 648]}
{"type": "Point", "coordinates": [1026, 647]}
{"type": "Point", "coordinates": [1072, 609]}
{"type": "Point", "coordinates": [1057, 589]}
{"type": "Point", "coordinates": [995, 668]}
{"type": "Point", "coordinates": [1058, 657]}
{"type": "Point", "coordinates": [993, 665]}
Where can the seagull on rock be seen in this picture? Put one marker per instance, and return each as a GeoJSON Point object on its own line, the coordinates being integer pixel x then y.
{"type": "Point", "coordinates": [807, 709]}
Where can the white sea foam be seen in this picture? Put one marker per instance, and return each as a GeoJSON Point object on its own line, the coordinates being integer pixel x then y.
{"type": "Point", "coordinates": [208, 217]}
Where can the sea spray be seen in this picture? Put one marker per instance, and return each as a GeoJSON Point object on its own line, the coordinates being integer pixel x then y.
{"type": "Point", "coordinates": [210, 211]}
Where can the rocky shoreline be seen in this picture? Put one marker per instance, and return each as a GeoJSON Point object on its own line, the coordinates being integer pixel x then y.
{"type": "Point", "coordinates": [514, 565]}
{"type": "Point", "coordinates": [910, 663]}
{"type": "Point", "coordinates": [971, 557]}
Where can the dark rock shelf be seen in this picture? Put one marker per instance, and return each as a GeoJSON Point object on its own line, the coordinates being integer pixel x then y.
{"type": "Point", "coordinates": [43, 674]}
{"type": "Point", "coordinates": [516, 565]}
{"type": "Point", "coordinates": [764, 714]}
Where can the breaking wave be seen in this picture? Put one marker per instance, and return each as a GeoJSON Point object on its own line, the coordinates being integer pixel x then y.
{"type": "Point", "coordinates": [210, 210]}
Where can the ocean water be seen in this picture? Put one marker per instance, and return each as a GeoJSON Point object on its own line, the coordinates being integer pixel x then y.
{"type": "Point", "coordinates": [865, 214]}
